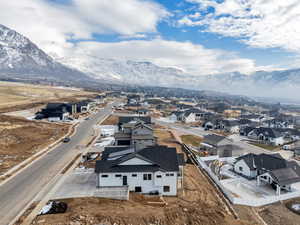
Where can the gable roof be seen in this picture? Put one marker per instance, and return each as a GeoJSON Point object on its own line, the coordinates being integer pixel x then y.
{"type": "Point", "coordinates": [161, 158]}
{"type": "Point", "coordinates": [284, 176]}
{"type": "Point", "coordinates": [268, 132]}
{"type": "Point", "coordinates": [264, 161]}
{"type": "Point", "coordinates": [127, 119]}
{"type": "Point", "coordinates": [213, 139]}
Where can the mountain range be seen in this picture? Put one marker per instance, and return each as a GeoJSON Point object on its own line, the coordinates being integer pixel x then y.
{"type": "Point", "coordinates": [20, 58]}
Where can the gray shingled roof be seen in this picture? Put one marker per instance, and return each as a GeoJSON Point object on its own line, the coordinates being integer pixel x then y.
{"type": "Point", "coordinates": [213, 139]}
{"type": "Point", "coordinates": [268, 162]}
{"type": "Point", "coordinates": [284, 176]}
{"type": "Point", "coordinates": [127, 119]}
{"type": "Point", "coordinates": [162, 158]}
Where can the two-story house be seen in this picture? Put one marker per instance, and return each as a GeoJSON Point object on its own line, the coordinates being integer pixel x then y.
{"type": "Point", "coordinates": [152, 170]}
{"type": "Point", "coordinates": [136, 134]}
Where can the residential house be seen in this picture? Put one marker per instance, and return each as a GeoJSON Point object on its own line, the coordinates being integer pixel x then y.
{"type": "Point", "coordinates": [253, 117]}
{"type": "Point", "coordinates": [278, 123]}
{"type": "Point", "coordinates": [232, 126]}
{"type": "Point", "coordinates": [268, 168]}
{"type": "Point", "coordinates": [54, 112]}
{"type": "Point", "coordinates": [245, 130]}
{"type": "Point", "coordinates": [267, 135]}
{"type": "Point", "coordinates": [153, 170]}
{"type": "Point", "coordinates": [136, 134]}
{"type": "Point", "coordinates": [142, 112]}
{"type": "Point", "coordinates": [127, 119]}
{"type": "Point", "coordinates": [220, 145]}
{"type": "Point", "coordinates": [84, 106]}
{"type": "Point", "coordinates": [231, 113]}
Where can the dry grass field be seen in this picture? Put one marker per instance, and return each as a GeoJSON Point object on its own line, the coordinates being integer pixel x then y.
{"type": "Point", "coordinates": [21, 138]}
{"type": "Point", "coordinates": [17, 94]}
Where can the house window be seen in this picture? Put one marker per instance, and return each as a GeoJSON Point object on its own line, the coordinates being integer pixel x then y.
{"type": "Point", "coordinates": [134, 175]}
{"type": "Point", "coordinates": [167, 174]}
{"type": "Point", "coordinates": [241, 168]}
{"type": "Point", "coordinates": [171, 174]}
{"type": "Point", "coordinates": [147, 176]}
{"type": "Point", "coordinates": [118, 175]}
{"type": "Point", "coordinates": [158, 176]}
{"type": "Point", "coordinates": [104, 175]}
{"type": "Point", "coordinates": [138, 189]}
{"type": "Point", "coordinates": [166, 188]}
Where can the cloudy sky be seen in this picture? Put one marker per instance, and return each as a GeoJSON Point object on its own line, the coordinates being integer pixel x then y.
{"type": "Point", "coordinates": [198, 36]}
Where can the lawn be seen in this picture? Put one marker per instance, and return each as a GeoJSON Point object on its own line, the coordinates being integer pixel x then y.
{"type": "Point", "coordinates": [191, 140]}
{"type": "Point", "coordinates": [267, 147]}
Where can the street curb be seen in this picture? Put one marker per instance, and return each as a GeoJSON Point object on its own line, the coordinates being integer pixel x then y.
{"type": "Point", "coordinates": [55, 181]}
{"type": "Point", "coordinates": [26, 163]}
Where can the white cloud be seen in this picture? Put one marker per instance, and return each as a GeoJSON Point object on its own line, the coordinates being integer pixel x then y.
{"type": "Point", "coordinates": [259, 23]}
{"type": "Point", "coordinates": [192, 58]}
{"type": "Point", "coordinates": [50, 25]}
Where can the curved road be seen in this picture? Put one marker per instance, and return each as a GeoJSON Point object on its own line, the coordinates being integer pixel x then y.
{"type": "Point", "coordinates": [25, 186]}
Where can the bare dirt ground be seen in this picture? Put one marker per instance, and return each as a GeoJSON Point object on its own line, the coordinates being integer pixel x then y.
{"type": "Point", "coordinates": [191, 140]}
{"type": "Point", "coordinates": [279, 214]}
{"type": "Point", "coordinates": [165, 137]}
{"type": "Point", "coordinates": [196, 204]}
{"type": "Point", "coordinates": [18, 96]}
{"type": "Point", "coordinates": [20, 139]}
{"type": "Point", "coordinates": [111, 120]}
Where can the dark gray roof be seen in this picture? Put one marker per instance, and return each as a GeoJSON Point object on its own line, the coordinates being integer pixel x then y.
{"type": "Point", "coordinates": [127, 119]}
{"type": "Point", "coordinates": [266, 162]}
{"type": "Point", "coordinates": [161, 157]}
{"type": "Point", "coordinates": [213, 139]}
{"type": "Point", "coordinates": [230, 123]}
{"type": "Point", "coordinates": [112, 149]}
{"type": "Point", "coordinates": [247, 130]}
{"type": "Point", "coordinates": [268, 132]}
{"type": "Point", "coordinates": [284, 176]}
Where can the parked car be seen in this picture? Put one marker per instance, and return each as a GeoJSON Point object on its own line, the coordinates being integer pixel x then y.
{"type": "Point", "coordinates": [66, 140]}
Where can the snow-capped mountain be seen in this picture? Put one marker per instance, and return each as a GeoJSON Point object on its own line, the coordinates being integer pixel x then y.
{"type": "Point", "coordinates": [128, 71]}
{"type": "Point", "coordinates": [22, 58]}
{"type": "Point", "coordinates": [275, 83]}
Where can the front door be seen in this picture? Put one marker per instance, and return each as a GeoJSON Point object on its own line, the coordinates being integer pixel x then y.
{"type": "Point", "coordinates": [124, 180]}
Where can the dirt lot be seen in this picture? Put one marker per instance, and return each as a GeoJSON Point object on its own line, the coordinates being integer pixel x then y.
{"type": "Point", "coordinates": [278, 214]}
{"type": "Point", "coordinates": [198, 203]}
{"type": "Point", "coordinates": [111, 120]}
{"type": "Point", "coordinates": [165, 137]}
{"type": "Point", "coordinates": [18, 96]}
{"type": "Point", "coordinates": [191, 140]}
{"type": "Point", "coordinates": [20, 139]}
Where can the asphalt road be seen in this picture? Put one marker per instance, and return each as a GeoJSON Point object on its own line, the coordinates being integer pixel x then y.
{"type": "Point", "coordinates": [20, 190]}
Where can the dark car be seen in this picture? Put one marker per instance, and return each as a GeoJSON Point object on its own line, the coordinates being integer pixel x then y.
{"type": "Point", "coordinates": [67, 139]}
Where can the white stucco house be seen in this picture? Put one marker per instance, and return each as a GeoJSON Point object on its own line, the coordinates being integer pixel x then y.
{"type": "Point", "coordinates": [152, 170]}
{"type": "Point", "coordinates": [269, 169]}
{"type": "Point", "coordinates": [267, 135]}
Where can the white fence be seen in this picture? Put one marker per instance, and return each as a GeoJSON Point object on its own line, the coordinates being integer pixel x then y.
{"type": "Point", "coordinates": [242, 201]}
